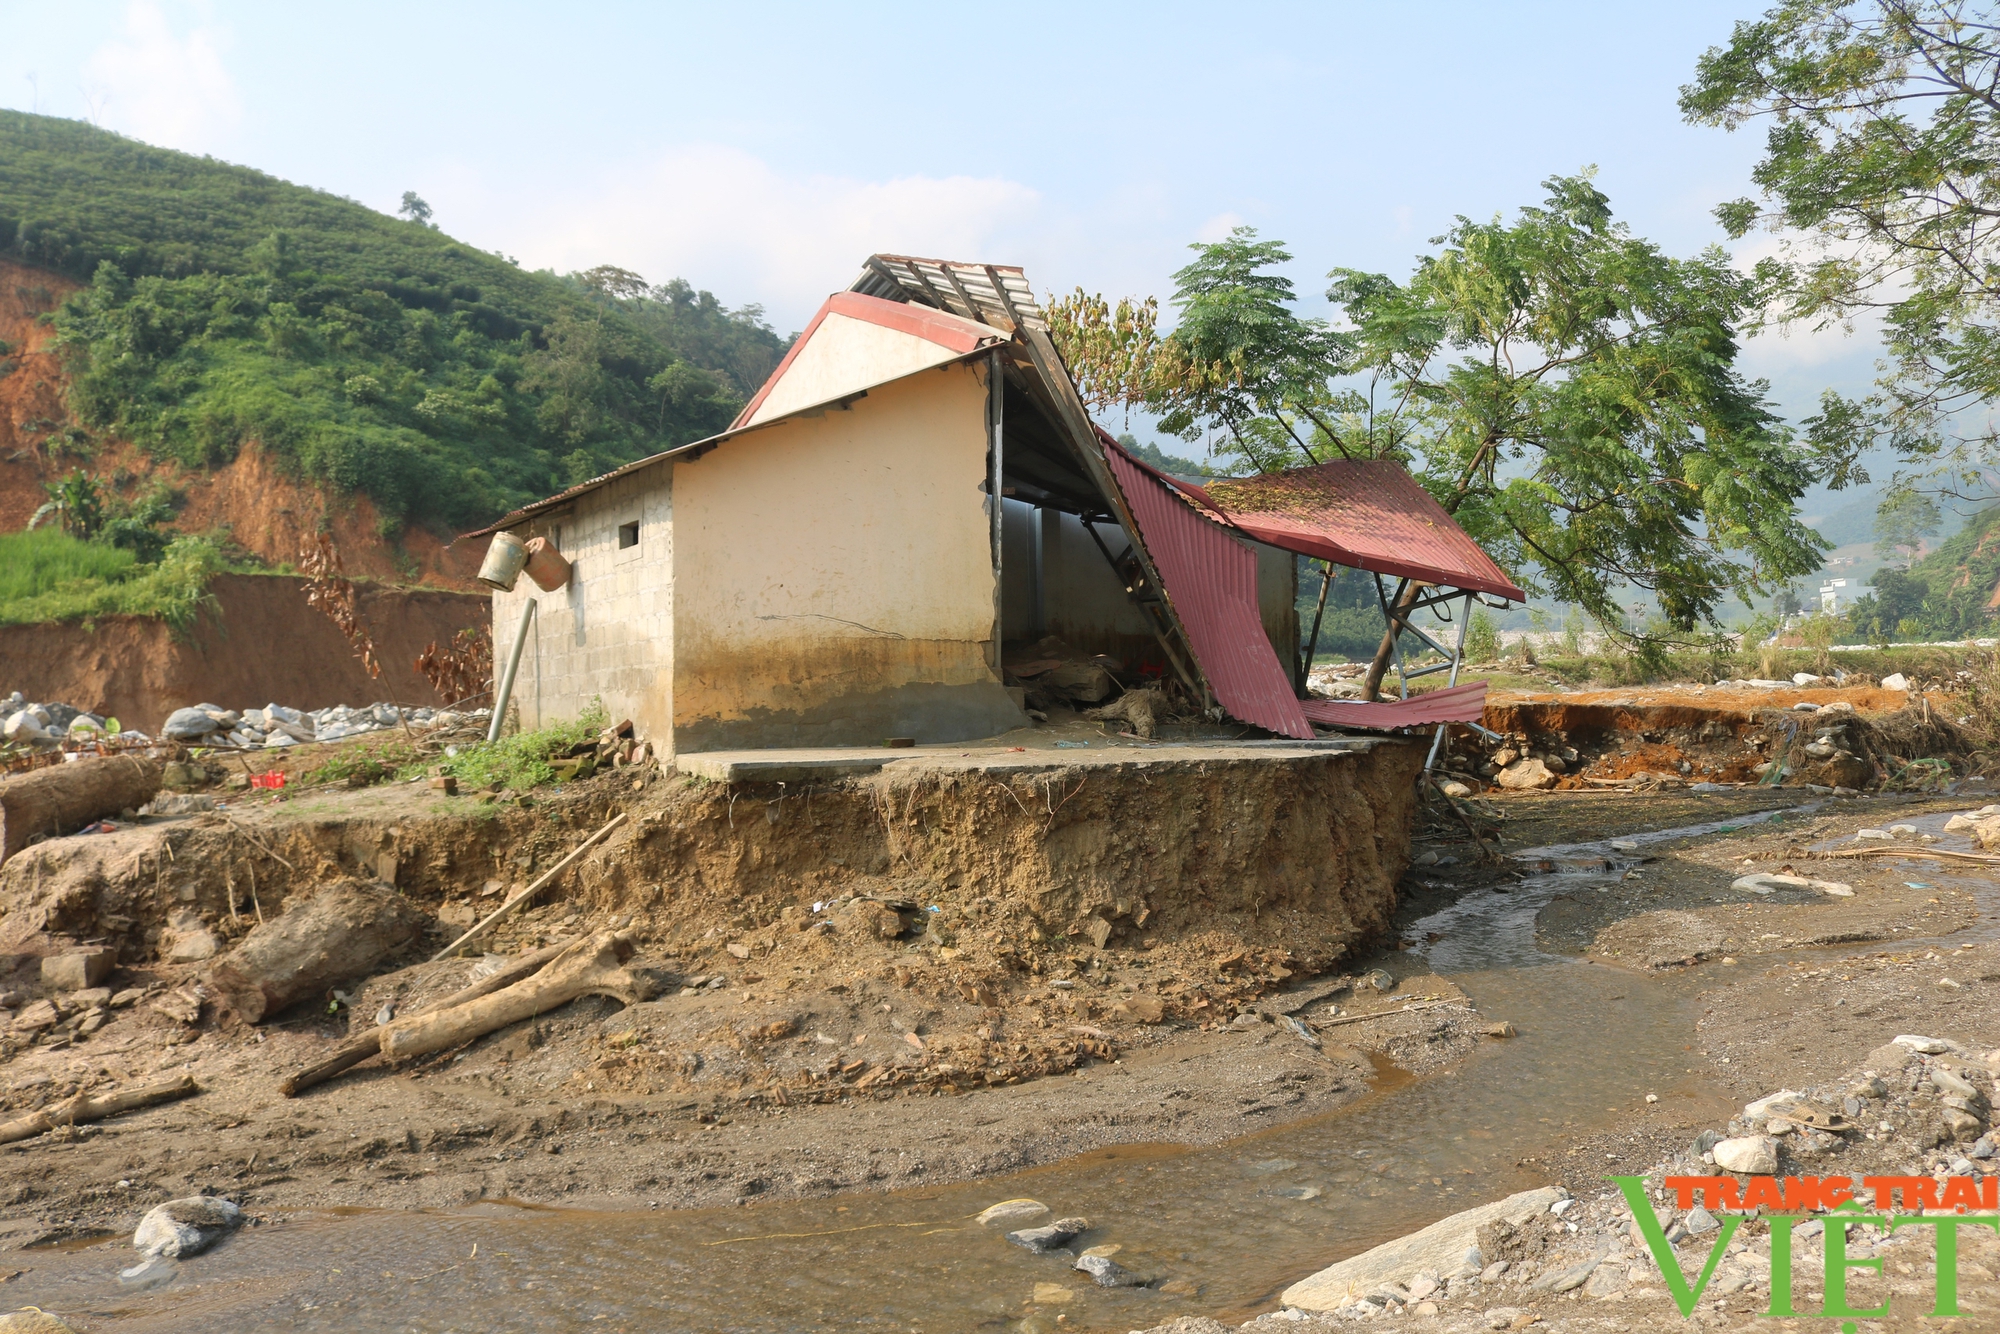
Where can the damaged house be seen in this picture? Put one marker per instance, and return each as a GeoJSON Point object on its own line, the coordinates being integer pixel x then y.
{"type": "Point", "coordinates": [913, 500]}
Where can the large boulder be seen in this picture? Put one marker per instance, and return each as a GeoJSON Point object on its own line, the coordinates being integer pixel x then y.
{"type": "Point", "coordinates": [1441, 1248]}
{"type": "Point", "coordinates": [180, 1228]}
{"type": "Point", "coordinates": [1526, 775]}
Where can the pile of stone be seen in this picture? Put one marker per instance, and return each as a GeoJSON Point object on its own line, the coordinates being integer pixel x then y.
{"type": "Point", "coordinates": [48, 726]}
{"type": "Point", "coordinates": [274, 726]}
{"type": "Point", "coordinates": [1919, 1107]}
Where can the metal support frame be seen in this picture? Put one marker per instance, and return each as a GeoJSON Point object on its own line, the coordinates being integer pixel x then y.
{"type": "Point", "coordinates": [1150, 609]}
{"type": "Point", "coordinates": [1397, 616]}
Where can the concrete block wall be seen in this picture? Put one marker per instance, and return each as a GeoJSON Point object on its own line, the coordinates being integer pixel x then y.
{"type": "Point", "coordinates": [609, 634]}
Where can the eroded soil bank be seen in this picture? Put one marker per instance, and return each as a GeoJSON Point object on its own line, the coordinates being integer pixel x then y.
{"type": "Point", "coordinates": [954, 968]}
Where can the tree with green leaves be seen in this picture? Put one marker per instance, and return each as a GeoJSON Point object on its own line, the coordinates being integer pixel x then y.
{"type": "Point", "coordinates": [1883, 124]}
{"type": "Point", "coordinates": [1902, 521]}
{"type": "Point", "coordinates": [1566, 390]}
{"type": "Point", "coordinates": [415, 209]}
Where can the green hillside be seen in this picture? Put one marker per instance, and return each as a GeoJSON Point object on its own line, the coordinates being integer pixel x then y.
{"type": "Point", "coordinates": [370, 353]}
{"type": "Point", "coordinates": [1943, 596]}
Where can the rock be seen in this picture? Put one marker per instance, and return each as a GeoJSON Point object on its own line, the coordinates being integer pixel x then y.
{"type": "Point", "coordinates": [1890, 1056]}
{"type": "Point", "coordinates": [1699, 1221]}
{"type": "Point", "coordinates": [1422, 1286]}
{"type": "Point", "coordinates": [1895, 681]}
{"type": "Point", "coordinates": [188, 939]}
{"type": "Point", "coordinates": [1502, 1317]}
{"type": "Point", "coordinates": [1806, 679]}
{"type": "Point", "coordinates": [875, 920]}
{"type": "Point", "coordinates": [1106, 1272]}
{"type": "Point", "coordinates": [1098, 930]}
{"type": "Point", "coordinates": [1753, 1155]}
{"type": "Point", "coordinates": [1873, 836]}
{"type": "Point", "coordinates": [1559, 1281]}
{"type": "Point", "coordinates": [78, 969]}
{"type": "Point", "coordinates": [1526, 776]}
{"type": "Point", "coordinates": [1380, 978]}
{"type": "Point", "coordinates": [1923, 1045]}
{"type": "Point", "coordinates": [1187, 1287]}
{"type": "Point", "coordinates": [1436, 1248]}
{"type": "Point", "coordinates": [1145, 1009]}
{"type": "Point", "coordinates": [1902, 831]}
{"type": "Point", "coordinates": [191, 724]}
{"type": "Point", "coordinates": [1011, 1211]}
{"type": "Point", "coordinates": [1606, 1280]}
{"type": "Point", "coordinates": [1052, 1294]}
{"type": "Point", "coordinates": [36, 1017]}
{"type": "Point", "coordinates": [1771, 1102]}
{"type": "Point", "coordinates": [33, 1322]}
{"type": "Point", "coordinates": [180, 1228]}
{"type": "Point", "coordinates": [1451, 787]}
{"type": "Point", "coordinates": [1053, 1237]}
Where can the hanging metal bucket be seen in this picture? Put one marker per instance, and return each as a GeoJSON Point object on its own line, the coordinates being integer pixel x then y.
{"type": "Point", "coordinates": [504, 559]}
{"type": "Point", "coordinates": [546, 565]}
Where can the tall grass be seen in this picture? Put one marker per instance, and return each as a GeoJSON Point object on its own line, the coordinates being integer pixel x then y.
{"type": "Point", "coordinates": [50, 576]}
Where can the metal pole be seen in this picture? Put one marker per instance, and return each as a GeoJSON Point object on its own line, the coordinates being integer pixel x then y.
{"type": "Point", "coordinates": [513, 665]}
{"type": "Point", "coordinates": [1457, 660]}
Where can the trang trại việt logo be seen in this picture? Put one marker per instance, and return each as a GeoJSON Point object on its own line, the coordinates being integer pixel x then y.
{"type": "Point", "coordinates": [1784, 1203]}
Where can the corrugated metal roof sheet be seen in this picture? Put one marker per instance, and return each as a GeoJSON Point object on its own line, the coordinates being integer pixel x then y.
{"type": "Point", "coordinates": [1212, 579]}
{"type": "Point", "coordinates": [1364, 513]}
{"type": "Point", "coordinates": [1457, 704]}
{"type": "Point", "coordinates": [994, 294]}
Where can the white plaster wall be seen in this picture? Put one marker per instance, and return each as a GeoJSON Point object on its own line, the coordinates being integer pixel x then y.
{"type": "Point", "coordinates": [609, 633]}
{"type": "Point", "coordinates": [845, 354]}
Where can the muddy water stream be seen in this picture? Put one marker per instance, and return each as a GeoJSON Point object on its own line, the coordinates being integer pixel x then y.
{"type": "Point", "coordinates": [1243, 1219]}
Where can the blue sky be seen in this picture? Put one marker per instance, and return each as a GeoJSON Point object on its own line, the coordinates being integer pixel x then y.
{"type": "Point", "coordinates": [762, 150]}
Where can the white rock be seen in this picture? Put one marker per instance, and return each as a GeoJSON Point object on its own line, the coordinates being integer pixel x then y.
{"type": "Point", "coordinates": [1895, 681]}
{"type": "Point", "coordinates": [1755, 1155]}
{"type": "Point", "coordinates": [1806, 679]}
{"type": "Point", "coordinates": [1769, 1102]}
{"type": "Point", "coordinates": [181, 1228]}
{"type": "Point", "coordinates": [1923, 1045]}
{"type": "Point", "coordinates": [1012, 1212]}
{"type": "Point", "coordinates": [1873, 836]}
{"type": "Point", "coordinates": [1903, 831]}
{"type": "Point", "coordinates": [1436, 1247]}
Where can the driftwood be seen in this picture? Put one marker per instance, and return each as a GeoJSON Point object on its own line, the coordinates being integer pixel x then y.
{"type": "Point", "coordinates": [1387, 1014]}
{"type": "Point", "coordinates": [341, 932]}
{"type": "Point", "coordinates": [63, 797]}
{"type": "Point", "coordinates": [521, 900]}
{"type": "Point", "coordinates": [356, 1050]}
{"type": "Point", "coordinates": [85, 1107]}
{"type": "Point", "coordinates": [591, 967]}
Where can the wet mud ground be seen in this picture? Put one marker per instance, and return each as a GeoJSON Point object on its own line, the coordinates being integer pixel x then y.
{"type": "Point", "coordinates": [1749, 1004]}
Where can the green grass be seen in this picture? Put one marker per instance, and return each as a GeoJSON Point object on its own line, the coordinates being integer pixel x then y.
{"type": "Point", "coordinates": [46, 575]}
{"type": "Point", "coordinates": [1614, 669]}
{"type": "Point", "coordinates": [522, 761]}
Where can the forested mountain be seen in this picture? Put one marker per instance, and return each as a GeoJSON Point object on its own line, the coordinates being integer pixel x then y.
{"type": "Point", "coordinates": [372, 354]}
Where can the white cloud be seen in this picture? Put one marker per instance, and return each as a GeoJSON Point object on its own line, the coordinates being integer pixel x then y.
{"type": "Point", "coordinates": [728, 221]}
{"type": "Point", "coordinates": [160, 86]}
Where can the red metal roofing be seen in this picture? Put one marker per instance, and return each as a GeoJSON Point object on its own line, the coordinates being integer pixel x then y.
{"type": "Point", "coordinates": [1364, 513]}
{"type": "Point", "coordinates": [1212, 579]}
{"type": "Point", "coordinates": [942, 327]}
{"type": "Point", "coordinates": [1458, 704]}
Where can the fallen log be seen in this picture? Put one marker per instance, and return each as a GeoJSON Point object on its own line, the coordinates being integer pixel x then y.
{"type": "Point", "coordinates": [64, 797]}
{"type": "Point", "coordinates": [341, 932]}
{"type": "Point", "coordinates": [1388, 1014]}
{"type": "Point", "coordinates": [87, 1107]}
{"type": "Point", "coordinates": [546, 879]}
{"type": "Point", "coordinates": [356, 1050]}
{"type": "Point", "coordinates": [591, 967]}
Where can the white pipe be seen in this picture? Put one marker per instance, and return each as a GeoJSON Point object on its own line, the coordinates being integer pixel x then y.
{"type": "Point", "coordinates": [513, 665]}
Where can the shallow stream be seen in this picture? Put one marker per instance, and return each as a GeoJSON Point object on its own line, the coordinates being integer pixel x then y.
{"type": "Point", "coordinates": [1242, 1220]}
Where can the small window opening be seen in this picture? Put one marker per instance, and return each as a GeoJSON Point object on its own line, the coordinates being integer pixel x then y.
{"type": "Point", "coordinates": [628, 535]}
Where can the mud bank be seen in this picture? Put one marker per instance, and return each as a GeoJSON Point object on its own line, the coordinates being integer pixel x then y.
{"type": "Point", "coordinates": [262, 644]}
{"type": "Point", "coordinates": [873, 981]}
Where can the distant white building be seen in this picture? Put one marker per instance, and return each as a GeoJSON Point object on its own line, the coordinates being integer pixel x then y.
{"type": "Point", "coordinates": [1830, 594]}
